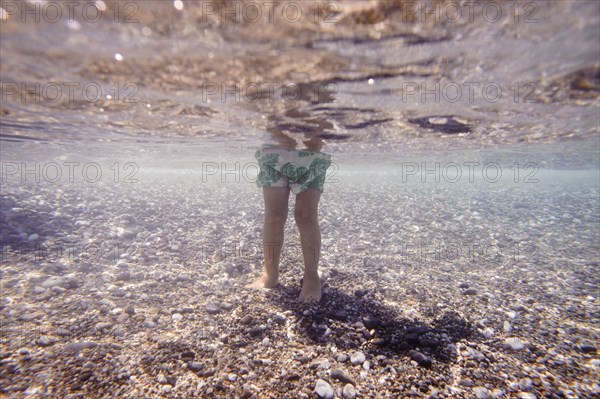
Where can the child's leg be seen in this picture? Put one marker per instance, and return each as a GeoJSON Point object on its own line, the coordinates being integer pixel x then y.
{"type": "Point", "coordinates": [306, 214]}
{"type": "Point", "coordinates": [276, 210]}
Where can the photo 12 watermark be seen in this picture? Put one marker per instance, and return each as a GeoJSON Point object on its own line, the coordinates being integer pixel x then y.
{"type": "Point", "coordinates": [13, 172]}
{"type": "Point", "coordinates": [410, 252]}
{"type": "Point", "coordinates": [32, 248]}
{"type": "Point", "coordinates": [247, 172]}
{"type": "Point", "coordinates": [70, 11]}
{"type": "Point", "coordinates": [268, 11]}
{"type": "Point", "coordinates": [468, 11]}
{"type": "Point", "coordinates": [469, 92]}
{"type": "Point", "coordinates": [450, 251]}
{"type": "Point", "coordinates": [252, 92]}
{"type": "Point", "coordinates": [468, 172]}
{"type": "Point", "coordinates": [21, 333]}
{"type": "Point", "coordinates": [61, 92]}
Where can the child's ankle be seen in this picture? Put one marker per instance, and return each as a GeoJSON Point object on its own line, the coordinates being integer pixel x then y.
{"type": "Point", "coordinates": [270, 280]}
{"type": "Point", "coordinates": [311, 275]}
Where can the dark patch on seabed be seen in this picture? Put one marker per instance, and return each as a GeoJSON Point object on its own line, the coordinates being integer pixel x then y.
{"type": "Point", "coordinates": [408, 38]}
{"type": "Point", "coordinates": [387, 333]}
{"type": "Point", "coordinates": [583, 84]}
{"type": "Point", "coordinates": [447, 124]}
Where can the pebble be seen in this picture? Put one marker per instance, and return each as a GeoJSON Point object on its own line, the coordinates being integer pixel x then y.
{"type": "Point", "coordinates": [176, 317]}
{"type": "Point", "coordinates": [212, 309]}
{"type": "Point", "coordinates": [31, 316]}
{"type": "Point", "coordinates": [587, 348]}
{"type": "Point", "coordinates": [525, 384]}
{"type": "Point", "coordinates": [420, 358]}
{"type": "Point", "coordinates": [188, 354]}
{"type": "Point", "coordinates": [53, 281]}
{"type": "Point", "coordinates": [366, 334]}
{"type": "Point", "coordinates": [89, 365]}
{"type": "Point", "coordinates": [342, 358]}
{"type": "Point", "coordinates": [341, 315]}
{"type": "Point", "coordinates": [466, 382]}
{"type": "Point", "coordinates": [370, 322]}
{"type": "Point", "coordinates": [470, 291]}
{"type": "Point", "coordinates": [412, 338]}
{"type": "Point", "coordinates": [45, 342]}
{"type": "Point", "coordinates": [488, 332]}
{"type": "Point", "coordinates": [79, 346]}
{"type": "Point", "coordinates": [103, 325]}
{"type": "Point", "coordinates": [323, 389]}
{"type": "Point", "coordinates": [38, 290]}
{"type": "Point", "coordinates": [514, 343]}
{"type": "Point", "coordinates": [349, 392]}
{"type": "Point", "coordinates": [61, 332]}
{"type": "Point", "coordinates": [293, 377]}
{"type": "Point", "coordinates": [58, 290]}
{"type": "Point", "coordinates": [526, 395]}
{"type": "Point", "coordinates": [149, 324]}
{"type": "Point", "coordinates": [475, 354]}
{"type": "Point", "coordinates": [66, 282]}
{"type": "Point", "coordinates": [161, 379]}
{"type": "Point", "coordinates": [340, 375]}
{"type": "Point", "coordinates": [124, 276]}
{"type": "Point", "coordinates": [357, 358]}
{"type": "Point", "coordinates": [33, 391]}
{"type": "Point", "coordinates": [482, 393]}
{"type": "Point", "coordinates": [119, 292]}
{"type": "Point", "coordinates": [194, 366]}
{"type": "Point", "coordinates": [182, 277]}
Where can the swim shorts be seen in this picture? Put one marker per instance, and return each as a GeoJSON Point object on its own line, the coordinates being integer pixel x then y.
{"type": "Point", "coordinates": [296, 169]}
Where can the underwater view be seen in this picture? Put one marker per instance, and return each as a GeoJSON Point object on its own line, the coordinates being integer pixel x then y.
{"type": "Point", "coordinates": [300, 199]}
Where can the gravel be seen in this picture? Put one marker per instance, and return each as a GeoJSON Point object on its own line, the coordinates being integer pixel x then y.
{"type": "Point", "coordinates": [400, 328]}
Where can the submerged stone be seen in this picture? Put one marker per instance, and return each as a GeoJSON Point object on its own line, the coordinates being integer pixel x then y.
{"type": "Point", "coordinates": [323, 389]}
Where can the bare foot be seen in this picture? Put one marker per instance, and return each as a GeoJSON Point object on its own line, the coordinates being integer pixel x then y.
{"type": "Point", "coordinates": [311, 289]}
{"type": "Point", "coordinates": [264, 281]}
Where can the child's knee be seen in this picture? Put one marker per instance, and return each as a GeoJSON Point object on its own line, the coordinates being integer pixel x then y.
{"type": "Point", "coordinates": [277, 216]}
{"type": "Point", "coordinates": [304, 216]}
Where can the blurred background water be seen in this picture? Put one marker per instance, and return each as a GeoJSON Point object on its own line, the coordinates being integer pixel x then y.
{"type": "Point", "coordinates": [187, 90]}
{"type": "Point", "coordinates": [170, 80]}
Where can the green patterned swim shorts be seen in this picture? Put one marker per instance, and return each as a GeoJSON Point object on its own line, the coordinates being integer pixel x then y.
{"type": "Point", "coordinates": [297, 169]}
